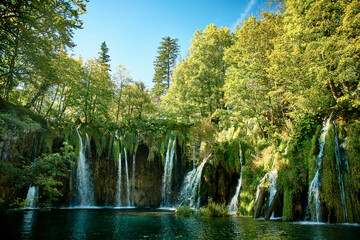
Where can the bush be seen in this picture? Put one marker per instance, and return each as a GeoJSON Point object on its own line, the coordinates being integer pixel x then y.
{"type": "Point", "coordinates": [185, 211]}
{"type": "Point", "coordinates": [213, 209]}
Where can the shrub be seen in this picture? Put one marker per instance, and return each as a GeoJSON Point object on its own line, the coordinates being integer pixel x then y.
{"type": "Point", "coordinates": [213, 209]}
{"type": "Point", "coordinates": [185, 211]}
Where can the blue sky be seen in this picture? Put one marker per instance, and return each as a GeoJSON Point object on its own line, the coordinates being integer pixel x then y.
{"type": "Point", "coordinates": [133, 29]}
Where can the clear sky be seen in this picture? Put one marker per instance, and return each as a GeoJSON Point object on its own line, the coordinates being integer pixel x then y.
{"type": "Point", "coordinates": [133, 29]}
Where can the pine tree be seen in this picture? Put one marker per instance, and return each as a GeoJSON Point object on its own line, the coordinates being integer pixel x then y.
{"type": "Point", "coordinates": [164, 64]}
{"type": "Point", "coordinates": [104, 57]}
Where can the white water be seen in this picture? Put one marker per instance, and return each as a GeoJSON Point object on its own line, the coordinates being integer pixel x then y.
{"type": "Point", "coordinates": [271, 177]}
{"type": "Point", "coordinates": [118, 195]}
{"type": "Point", "coordinates": [133, 178]}
{"type": "Point", "coordinates": [190, 193]}
{"type": "Point", "coordinates": [117, 134]}
{"type": "Point", "coordinates": [83, 178]}
{"type": "Point", "coordinates": [340, 175]}
{"type": "Point", "coordinates": [133, 173]}
{"type": "Point", "coordinates": [315, 185]}
{"type": "Point", "coordinates": [32, 197]}
{"type": "Point", "coordinates": [258, 188]}
{"type": "Point", "coordinates": [127, 179]}
{"type": "Point", "coordinates": [167, 176]}
{"type": "Point", "coordinates": [234, 201]}
{"type": "Point", "coordinates": [88, 145]}
{"type": "Point", "coordinates": [272, 187]}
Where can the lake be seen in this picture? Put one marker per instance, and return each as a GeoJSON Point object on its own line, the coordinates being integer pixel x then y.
{"type": "Point", "coordinates": [105, 223]}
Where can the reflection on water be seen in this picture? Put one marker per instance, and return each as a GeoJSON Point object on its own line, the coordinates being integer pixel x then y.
{"type": "Point", "coordinates": [80, 223]}
{"type": "Point", "coordinates": [140, 224]}
{"type": "Point", "coordinates": [28, 223]}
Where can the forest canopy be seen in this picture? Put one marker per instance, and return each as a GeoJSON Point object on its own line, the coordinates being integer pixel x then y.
{"type": "Point", "coordinates": [301, 58]}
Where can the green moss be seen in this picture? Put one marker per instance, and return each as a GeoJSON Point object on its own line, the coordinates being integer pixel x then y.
{"type": "Point", "coordinates": [248, 190]}
{"type": "Point", "coordinates": [311, 152]}
{"type": "Point", "coordinates": [353, 150]}
{"type": "Point", "coordinates": [116, 151]}
{"type": "Point", "coordinates": [46, 140]}
{"type": "Point", "coordinates": [330, 192]}
{"type": "Point", "coordinates": [288, 208]}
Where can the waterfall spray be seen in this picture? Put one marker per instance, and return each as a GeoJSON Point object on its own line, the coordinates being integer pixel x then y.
{"type": "Point", "coordinates": [315, 185]}
{"type": "Point", "coordinates": [83, 178]}
{"type": "Point", "coordinates": [234, 201]}
{"type": "Point", "coordinates": [167, 176]}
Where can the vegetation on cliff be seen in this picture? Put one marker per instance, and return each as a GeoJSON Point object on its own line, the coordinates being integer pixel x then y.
{"type": "Point", "coordinates": [265, 89]}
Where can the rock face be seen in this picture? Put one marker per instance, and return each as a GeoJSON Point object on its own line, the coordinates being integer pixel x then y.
{"type": "Point", "coordinates": [148, 176]}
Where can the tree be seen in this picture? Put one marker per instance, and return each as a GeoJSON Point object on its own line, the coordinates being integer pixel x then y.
{"type": "Point", "coordinates": [49, 173]}
{"type": "Point", "coordinates": [104, 57]}
{"type": "Point", "coordinates": [135, 104]}
{"type": "Point", "coordinates": [164, 64]}
{"type": "Point", "coordinates": [250, 91]}
{"type": "Point", "coordinates": [31, 34]}
{"type": "Point", "coordinates": [94, 93]}
{"type": "Point", "coordinates": [197, 91]}
{"type": "Point", "coordinates": [121, 80]}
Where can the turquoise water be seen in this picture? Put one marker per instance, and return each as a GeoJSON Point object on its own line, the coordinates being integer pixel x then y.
{"type": "Point", "coordinates": [153, 224]}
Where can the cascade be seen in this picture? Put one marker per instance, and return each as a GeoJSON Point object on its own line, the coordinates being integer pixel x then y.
{"type": "Point", "coordinates": [133, 172]}
{"type": "Point", "coordinates": [339, 163]}
{"type": "Point", "coordinates": [272, 187]}
{"type": "Point", "coordinates": [314, 204]}
{"type": "Point", "coordinates": [118, 195]}
{"type": "Point", "coordinates": [167, 176]}
{"type": "Point", "coordinates": [32, 197]}
{"type": "Point", "coordinates": [258, 188]}
{"type": "Point", "coordinates": [33, 193]}
{"type": "Point", "coordinates": [127, 179]}
{"type": "Point", "coordinates": [83, 178]}
{"type": "Point", "coordinates": [234, 201]}
{"type": "Point", "coordinates": [194, 155]}
{"type": "Point", "coordinates": [87, 147]}
{"type": "Point", "coordinates": [191, 186]}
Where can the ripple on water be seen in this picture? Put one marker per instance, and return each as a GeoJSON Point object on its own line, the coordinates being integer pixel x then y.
{"type": "Point", "coordinates": [159, 224]}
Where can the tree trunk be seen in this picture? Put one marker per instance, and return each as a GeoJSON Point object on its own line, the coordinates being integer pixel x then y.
{"type": "Point", "coordinates": [260, 202]}
{"type": "Point", "coordinates": [53, 101]}
{"type": "Point", "coordinates": [10, 79]}
{"type": "Point", "coordinates": [333, 90]}
{"type": "Point", "coordinates": [118, 105]}
{"type": "Point", "coordinates": [274, 204]}
{"type": "Point", "coordinates": [43, 88]}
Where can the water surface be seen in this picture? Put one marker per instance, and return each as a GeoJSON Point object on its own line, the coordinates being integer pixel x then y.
{"type": "Point", "coordinates": [156, 224]}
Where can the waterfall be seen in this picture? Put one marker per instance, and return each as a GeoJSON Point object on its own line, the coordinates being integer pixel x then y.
{"type": "Point", "coordinates": [167, 176]}
{"type": "Point", "coordinates": [315, 185]}
{"type": "Point", "coordinates": [194, 155]}
{"type": "Point", "coordinates": [133, 180]}
{"type": "Point", "coordinates": [87, 146]}
{"type": "Point", "coordinates": [118, 195]}
{"type": "Point", "coordinates": [83, 178]}
{"type": "Point", "coordinates": [234, 201]}
{"type": "Point", "coordinates": [127, 179]}
{"type": "Point", "coordinates": [133, 172]}
{"type": "Point", "coordinates": [32, 195]}
{"type": "Point", "coordinates": [191, 186]}
{"type": "Point", "coordinates": [272, 187]}
{"type": "Point", "coordinates": [339, 164]}
{"type": "Point", "coordinates": [258, 188]}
